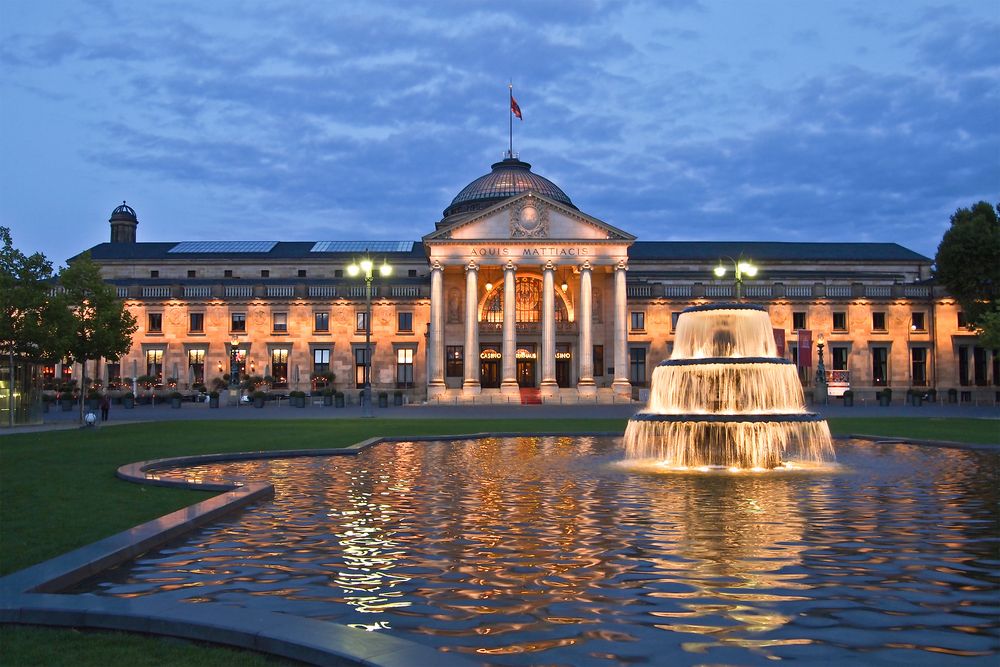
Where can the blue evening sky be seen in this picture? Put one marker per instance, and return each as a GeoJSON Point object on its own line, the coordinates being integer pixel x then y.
{"type": "Point", "coordinates": [854, 120]}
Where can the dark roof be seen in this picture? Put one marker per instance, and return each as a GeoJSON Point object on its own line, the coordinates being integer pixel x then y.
{"type": "Point", "coordinates": [281, 250]}
{"type": "Point", "coordinates": [772, 251]}
{"type": "Point", "coordinates": [508, 178]}
{"type": "Point", "coordinates": [123, 212]}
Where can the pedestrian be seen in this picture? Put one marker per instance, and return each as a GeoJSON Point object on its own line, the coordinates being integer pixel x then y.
{"type": "Point", "coordinates": [105, 407]}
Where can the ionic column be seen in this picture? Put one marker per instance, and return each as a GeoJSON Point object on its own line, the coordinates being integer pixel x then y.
{"type": "Point", "coordinates": [508, 384]}
{"type": "Point", "coordinates": [435, 353]}
{"type": "Point", "coordinates": [471, 384]}
{"type": "Point", "coordinates": [621, 385]}
{"type": "Point", "coordinates": [586, 385]}
{"type": "Point", "coordinates": [549, 386]}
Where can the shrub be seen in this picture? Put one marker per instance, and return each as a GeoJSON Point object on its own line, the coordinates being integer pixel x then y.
{"type": "Point", "coordinates": [213, 394]}
{"type": "Point", "coordinates": [176, 395]}
{"type": "Point", "coordinates": [260, 395]}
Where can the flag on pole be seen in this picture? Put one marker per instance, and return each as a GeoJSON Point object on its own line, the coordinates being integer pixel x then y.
{"type": "Point", "coordinates": [514, 108]}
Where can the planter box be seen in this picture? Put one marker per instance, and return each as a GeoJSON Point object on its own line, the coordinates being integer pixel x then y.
{"type": "Point", "coordinates": [299, 402]}
{"type": "Point", "coordinates": [383, 400]}
{"type": "Point", "coordinates": [66, 405]}
{"type": "Point", "coordinates": [175, 403]}
{"type": "Point", "coordinates": [328, 400]}
{"type": "Point", "coordinates": [338, 400]}
{"type": "Point", "coordinates": [213, 402]}
{"type": "Point", "coordinates": [397, 398]}
{"type": "Point", "coordinates": [849, 401]}
{"type": "Point", "coordinates": [258, 402]}
{"type": "Point", "coordinates": [128, 403]}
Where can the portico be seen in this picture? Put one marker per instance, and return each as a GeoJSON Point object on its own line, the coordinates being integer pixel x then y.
{"type": "Point", "coordinates": [526, 280]}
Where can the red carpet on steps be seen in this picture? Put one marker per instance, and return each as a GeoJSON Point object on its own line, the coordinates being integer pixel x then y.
{"type": "Point", "coordinates": [531, 396]}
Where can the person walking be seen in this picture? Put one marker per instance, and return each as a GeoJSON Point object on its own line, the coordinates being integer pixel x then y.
{"type": "Point", "coordinates": [105, 407]}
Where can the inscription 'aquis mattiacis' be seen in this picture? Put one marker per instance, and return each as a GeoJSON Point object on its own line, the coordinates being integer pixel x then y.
{"type": "Point", "coordinates": [505, 251]}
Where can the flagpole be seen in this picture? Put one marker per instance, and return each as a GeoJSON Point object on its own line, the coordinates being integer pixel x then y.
{"type": "Point", "coordinates": [510, 119]}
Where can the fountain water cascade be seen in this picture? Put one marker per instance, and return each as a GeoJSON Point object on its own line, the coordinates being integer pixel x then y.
{"type": "Point", "coordinates": [725, 399]}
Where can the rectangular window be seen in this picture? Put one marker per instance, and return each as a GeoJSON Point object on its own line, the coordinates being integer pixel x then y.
{"type": "Point", "coordinates": [454, 361]}
{"type": "Point", "coordinates": [880, 366]}
{"type": "Point", "coordinates": [114, 371]}
{"type": "Point", "coordinates": [154, 364]}
{"type": "Point", "coordinates": [404, 322]}
{"type": "Point", "coordinates": [598, 361]}
{"type": "Point", "coordinates": [838, 357]}
{"type": "Point", "coordinates": [996, 368]}
{"type": "Point", "coordinates": [637, 366]}
{"type": "Point", "coordinates": [279, 366]}
{"type": "Point", "coordinates": [361, 320]}
{"type": "Point", "coordinates": [673, 321]}
{"type": "Point", "coordinates": [238, 322]}
{"type": "Point", "coordinates": [192, 273]}
{"type": "Point", "coordinates": [798, 320]}
{"type": "Point", "coordinates": [227, 273]}
{"type": "Point", "coordinates": [360, 366]}
{"type": "Point", "coordinates": [321, 360]}
{"type": "Point", "coordinates": [321, 322]}
{"type": "Point", "coordinates": [963, 365]}
{"type": "Point", "coordinates": [918, 366]}
{"type": "Point", "coordinates": [338, 273]}
{"type": "Point", "coordinates": [979, 366]}
{"type": "Point", "coordinates": [196, 364]}
{"type": "Point", "coordinates": [265, 273]}
{"type": "Point", "coordinates": [878, 321]}
{"type": "Point", "coordinates": [918, 322]}
{"type": "Point", "coordinates": [154, 322]}
{"type": "Point", "coordinates": [962, 322]}
{"type": "Point", "coordinates": [840, 321]}
{"type": "Point", "coordinates": [412, 273]}
{"type": "Point", "coordinates": [279, 322]}
{"type": "Point", "coordinates": [154, 274]}
{"type": "Point", "coordinates": [302, 273]}
{"type": "Point", "coordinates": [638, 321]}
{"type": "Point", "coordinates": [404, 367]}
{"type": "Point", "coordinates": [196, 322]}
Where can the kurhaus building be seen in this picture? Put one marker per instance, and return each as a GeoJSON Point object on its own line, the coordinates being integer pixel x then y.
{"type": "Point", "coordinates": [515, 293]}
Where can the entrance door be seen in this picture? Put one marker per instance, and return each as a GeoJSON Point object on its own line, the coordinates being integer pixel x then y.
{"type": "Point", "coordinates": [489, 368]}
{"type": "Point", "coordinates": [526, 372]}
{"type": "Point", "coordinates": [563, 359]}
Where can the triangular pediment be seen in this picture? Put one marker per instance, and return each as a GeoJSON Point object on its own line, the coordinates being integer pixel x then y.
{"type": "Point", "coordinates": [530, 217]}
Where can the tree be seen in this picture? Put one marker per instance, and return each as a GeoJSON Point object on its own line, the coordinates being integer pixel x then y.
{"type": "Point", "coordinates": [100, 326]}
{"type": "Point", "coordinates": [968, 265]}
{"type": "Point", "coordinates": [31, 321]}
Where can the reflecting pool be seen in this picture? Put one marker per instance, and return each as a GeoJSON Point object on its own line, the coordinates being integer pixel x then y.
{"type": "Point", "coordinates": [548, 551]}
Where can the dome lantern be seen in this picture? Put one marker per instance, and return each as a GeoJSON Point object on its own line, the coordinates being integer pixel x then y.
{"type": "Point", "coordinates": [123, 223]}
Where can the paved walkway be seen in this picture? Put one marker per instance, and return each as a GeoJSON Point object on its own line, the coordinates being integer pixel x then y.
{"type": "Point", "coordinates": [197, 411]}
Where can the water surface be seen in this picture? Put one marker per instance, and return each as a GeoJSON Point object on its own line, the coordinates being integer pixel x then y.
{"type": "Point", "coordinates": [547, 551]}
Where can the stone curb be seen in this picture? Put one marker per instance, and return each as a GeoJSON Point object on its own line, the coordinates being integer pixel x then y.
{"type": "Point", "coordinates": [29, 596]}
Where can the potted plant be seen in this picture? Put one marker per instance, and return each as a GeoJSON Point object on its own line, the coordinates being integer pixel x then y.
{"type": "Point", "coordinates": [338, 399]}
{"type": "Point", "coordinates": [213, 399]}
{"type": "Point", "coordinates": [298, 399]}
{"type": "Point", "coordinates": [328, 397]}
{"type": "Point", "coordinates": [915, 397]}
{"type": "Point", "coordinates": [932, 396]}
{"type": "Point", "coordinates": [93, 400]}
{"type": "Point", "coordinates": [175, 399]}
{"type": "Point", "coordinates": [953, 395]}
{"type": "Point", "coordinates": [128, 400]}
{"type": "Point", "coordinates": [848, 398]}
{"type": "Point", "coordinates": [219, 383]}
{"type": "Point", "coordinates": [397, 397]}
{"type": "Point", "coordinates": [47, 401]}
{"type": "Point", "coordinates": [258, 398]}
{"type": "Point", "coordinates": [885, 397]}
{"type": "Point", "coordinates": [383, 399]}
{"type": "Point", "coordinates": [67, 400]}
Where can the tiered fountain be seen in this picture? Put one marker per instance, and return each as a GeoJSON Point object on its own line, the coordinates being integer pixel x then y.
{"type": "Point", "coordinates": [725, 399]}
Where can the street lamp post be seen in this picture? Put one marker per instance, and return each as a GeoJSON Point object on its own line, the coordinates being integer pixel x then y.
{"type": "Point", "coordinates": [822, 390]}
{"type": "Point", "coordinates": [741, 268]}
{"type": "Point", "coordinates": [365, 268]}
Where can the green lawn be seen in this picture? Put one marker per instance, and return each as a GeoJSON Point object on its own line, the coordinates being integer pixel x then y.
{"type": "Point", "coordinates": [58, 491]}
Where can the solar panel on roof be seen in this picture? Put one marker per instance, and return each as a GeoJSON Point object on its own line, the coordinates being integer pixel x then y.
{"type": "Point", "coordinates": [223, 246]}
{"type": "Point", "coordinates": [362, 246]}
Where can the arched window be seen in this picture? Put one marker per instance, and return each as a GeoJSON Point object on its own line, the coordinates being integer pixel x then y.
{"type": "Point", "coordinates": [527, 302]}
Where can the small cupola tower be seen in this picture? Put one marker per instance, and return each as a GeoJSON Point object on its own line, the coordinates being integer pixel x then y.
{"type": "Point", "coordinates": [123, 224]}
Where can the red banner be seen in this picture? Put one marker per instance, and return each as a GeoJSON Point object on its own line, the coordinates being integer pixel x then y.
{"type": "Point", "coordinates": [779, 341]}
{"type": "Point", "coordinates": [805, 348]}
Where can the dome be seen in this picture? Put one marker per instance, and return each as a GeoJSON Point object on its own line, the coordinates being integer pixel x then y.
{"type": "Point", "coordinates": [124, 212]}
{"type": "Point", "coordinates": [509, 177]}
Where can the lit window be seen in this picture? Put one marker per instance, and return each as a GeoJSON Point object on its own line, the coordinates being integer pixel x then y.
{"type": "Point", "coordinates": [279, 367]}
{"type": "Point", "coordinates": [404, 367]}
{"type": "Point", "coordinates": [154, 364]}
{"type": "Point", "coordinates": [454, 366]}
{"type": "Point", "coordinates": [321, 360]}
{"type": "Point", "coordinates": [360, 366]}
{"type": "Point", "coordinates": [361, 320]}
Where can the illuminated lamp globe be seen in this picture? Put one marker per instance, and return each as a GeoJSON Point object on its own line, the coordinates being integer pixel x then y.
{"type": "Point", "coordinates": [366, 265]}
{"type": "Point", "coordinates": [90, 418]}
{"type": "Point", "coordinates": [385, 269]}
{"type": "Point", "coordinates": [353, 270]}
{"type": "Point", "coordinates": [489, 287]}
{"type": "Point", "coordinates": [719, 271]}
